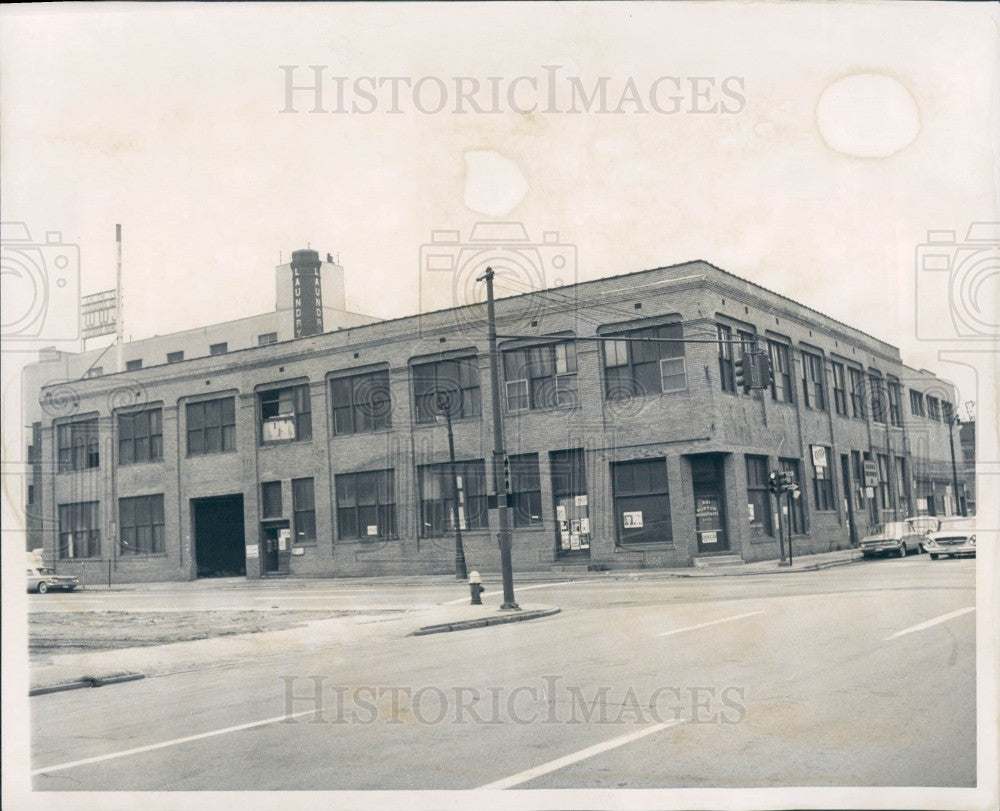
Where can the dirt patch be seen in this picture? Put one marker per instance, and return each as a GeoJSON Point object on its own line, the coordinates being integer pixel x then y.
{"type": "Point", "coordinates": [53, 632]}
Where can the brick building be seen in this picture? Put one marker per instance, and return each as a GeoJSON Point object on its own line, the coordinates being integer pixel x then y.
{"type": "Point", "coordinates": [327, 455]}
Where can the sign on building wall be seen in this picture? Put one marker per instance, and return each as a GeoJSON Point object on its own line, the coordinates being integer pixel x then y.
{"type": "Point", "coordinates": [98, 314]}
{"type": "Point", "coordinates": [308, 301]}
{"type": "Point", "coordinates": [871, 473]}
{"type": "Point", "coordinates": [819, 456]}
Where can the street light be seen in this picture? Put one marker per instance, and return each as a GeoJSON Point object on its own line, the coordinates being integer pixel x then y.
{"type": "Point", "coordinates": [443, 405]}
{"type": "Point", "coordinates": [954, 420]}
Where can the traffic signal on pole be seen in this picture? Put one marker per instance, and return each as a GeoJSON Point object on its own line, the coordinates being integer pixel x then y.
{"type": "Point", "coordinates": [772, 484]}
{"type": "Point", "coordinates": [761, 373]}
{"type": "Point", "coordinates": [740, 372]}
{"type": "Point", "coordinates": [506, 474]}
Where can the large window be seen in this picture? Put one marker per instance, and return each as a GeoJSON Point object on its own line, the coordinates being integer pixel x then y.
{"type": "Point", "coordinates": [758, 496]}
{"type": "Point", "coordinates": [642, 501]}
{"type": "Point", "coordinates": [902, 483]}
{"type": "Point", "coordinates": [304, 510]}
{"type": "Point", "coordinates": [361, 403]}
{"type": "Point", "coordinates": [781, 369]}
{"type": "Point", "coordinates": [286, 414]}
{"type": "Point", "coordinates": [858, 409]}
{"type": "Point", "coordinates": [447, 385]}
{"type": "Point", "coordinates": [879, 399]}
{"type": "Point", "coordinates": [569, 495]}
{"type": "Point", "coordinates": [140, 437]}
{"type": "Point", "coordinates": [525, 489]}
{"type": "Point", "coordinates": [79, 445]}
{"type": "Point", "coordinates": [270, 499]}
{"type": "Point", "coordinates": [211, 426]}
{"type": "Point", "coordinates": [839, 387]}
{"type": "Point", "coordinates": [796, 510]}
{"type": "Point", "coordinates": [823, 482]}
{"type": "Point", "coordinates": [916, 403]}
{"type": "Point", "coordinates": [141, 525]}
{"type": "Point", "coordinates": [366, 505]}
{"type": "Point", "coordinates": [79, 530]}
{"type": "Point", "coordinates": [895, 402]}
{"type": "Point", "coordinates": [884, 487]}
{"type": "Point", "coordinates": [436, 493]}
{"type": "Point", "coordinates": [541, 377]}
{"type": "Point", "coordinates": [650, 362]}
{"type": "Point", "coordinates": [726, 375]}
{"type": "Point", "coordinates": [813, 386]}
{"type": "Point", "coordinates": [933, 408]}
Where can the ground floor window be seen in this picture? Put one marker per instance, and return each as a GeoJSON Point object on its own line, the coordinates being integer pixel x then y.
{"type": "Point", "coordinates": [141, 524]}
{"type": "Point", "coordinates": [796, 509]}
{"type": "Point", "coordinates": [525, 490]}
{"type": "Point", "coordinates": [822, 479]}
{"type": "Point", "coordinates": [758, 497]}
{"type": "Point", "coordinates": [642, 501]}
{"type": "Point", "coordinates": [304, 510]}
{"type": "Point", "coordinates": [437, 487]}
{"type": "Point", "coordinates": [366, 504]}
{"type": "Point", "coordinates": [79, 530]}
{"type": "Point", "coordinates": [569, 492]}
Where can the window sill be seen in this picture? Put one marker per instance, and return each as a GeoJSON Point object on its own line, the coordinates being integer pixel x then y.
{"type": "Point", "coordinates": [386, 430]}
{"type": "Point", "coordinates": [80, 470]}
{"type": "Point", "coordinates": [143, 462]}
{"type": "Point", "coordinates": [278, 442]}
{"type": "Point", "coordinates": [209, 453]}
{"type": "Point", "coordinates": [141, 555]}
{"type": "Point", "coordinates": [651, 546]}
{"type": "Point", "coordinates": [554, 411]}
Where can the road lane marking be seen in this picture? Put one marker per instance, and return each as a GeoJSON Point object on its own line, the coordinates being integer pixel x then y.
{"type": "Point", "coordinates": [583, 754]}
{"type": "Point", "coordinates": [519, 588]}
{"type": "Point", "coordinates": [176, 741]}
{"type": "Point", "coordinates": [713, 622]}
{"type": "Point", "coordinates": [930, 623]}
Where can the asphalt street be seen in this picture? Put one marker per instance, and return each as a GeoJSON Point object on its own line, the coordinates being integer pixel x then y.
{"type": "Point", "coordinates": [862, 675]}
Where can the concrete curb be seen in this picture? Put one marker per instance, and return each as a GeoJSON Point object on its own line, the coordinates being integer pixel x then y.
{"type": "Point", "coordinates": [503, 619]}
{"type": "Point", "coordinates": [812, 567]}
{"type": "Point", "coordinates": [85, 681]}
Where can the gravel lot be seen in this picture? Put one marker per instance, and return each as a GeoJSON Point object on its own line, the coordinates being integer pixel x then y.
{"type": "Point", "coordinates": [51, 632]}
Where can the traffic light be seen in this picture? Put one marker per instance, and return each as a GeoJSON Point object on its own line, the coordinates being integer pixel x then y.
{"type": "Point", "coordinates": [773, 485]}
{"type": "Point", "coordinates": [506, 474]}
{"type": "Point", "coordinates": [760, 370]}
{"type": "Point", "coordinates": [740, 371]}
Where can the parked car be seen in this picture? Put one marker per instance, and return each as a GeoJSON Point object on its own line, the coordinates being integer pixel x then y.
{"type": "Point", "coordinates": [41, 580]}
{"type": "Point", "coordinates": [954, 537]}
{"type": "Point", "coordinates": [894, 538]}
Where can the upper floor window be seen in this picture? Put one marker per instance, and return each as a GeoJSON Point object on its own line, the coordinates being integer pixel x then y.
{"type": "Point", "coordinates": [879, 398]}
{"type": "Point", "coordinates": [946, 412]}
{"type": "Point", "coordinates": [541, 377]}
{"type": "Point", "coordinates": [933, 408]}
{"type": "Point", "coordinates": [218, 349]}
{"type": "Point", "coordinates": [79, 445]}
{"type": "Point", "coordinates": [361, 403]}
{"type": "Point", "coordinates": [650, 361]}
{"type": "Point", "coordinates": [175, 357]}
{"type": "Point", "coordinates": [781, 369]}
{"type": "Point", "coordinates": [916, 403]}
{"type": "Point", "coordinates": [95, 371]}
{"type": "Point", "coordinates": [450, 386]}
{"type": "Point", "coordinates": [813, 383]}
{"type": "Point", "coordinates": [140, 437]}
{"type": "Point", "coordinates": [726, 375]}
{"type": "Point", "coordinates": [270, 499]}
{"type": "Point", "coordinates": [133, 365]}
{"type": "Point", "coordinates": [267, 338]}
{"type": "Point", "coordinates": [839, 387]}
{"type": "Point", "coordinates": [895, 402]}
{"type": "Point", "coordinates": [285, 414]}
{"type": "Point", "coordinates": [858, 409]}
{"type": "Point", "coordinates": [211, 426]}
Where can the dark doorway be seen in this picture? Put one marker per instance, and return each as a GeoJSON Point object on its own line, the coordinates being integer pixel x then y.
{"type": "Point", "coordinates": [845, 472]}
{"type": "Point", "coordinates": [709, 503]}
{"type": "Point", "coordinates": [219, 542]}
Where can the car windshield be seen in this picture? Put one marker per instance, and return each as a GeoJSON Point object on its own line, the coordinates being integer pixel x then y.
{"type": "Point", "coordinates": [952, 524]}
{"type": "Point", "coordinates": [922, 524]}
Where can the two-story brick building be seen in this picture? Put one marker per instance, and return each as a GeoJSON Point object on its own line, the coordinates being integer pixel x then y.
{"type": "Point", "coordinates": [630, 442]}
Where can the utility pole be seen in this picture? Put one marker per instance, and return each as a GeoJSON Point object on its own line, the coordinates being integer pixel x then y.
{"type": "Point", "coordinates": [500, 483]}
{"type": "Point", "coordinates": [461, 573]}
{"type": "Point", "coordinates": [952, 420]}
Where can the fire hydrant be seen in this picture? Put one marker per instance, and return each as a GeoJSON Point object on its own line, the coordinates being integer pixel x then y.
{"type": "Point", "coordinates": [475, 588]}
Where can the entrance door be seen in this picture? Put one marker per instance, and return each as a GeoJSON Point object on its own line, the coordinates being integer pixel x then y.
{"type": "Point", "coordinates": [845, 474]}
{"type": "Point", "coordinates": [219, 542]}
{"type": "Point", "coordinates": [709, 503]}
{"type": "Point", "coordinates": [569, 492]}
{"type": "Point", "coordinates": [270, 549]}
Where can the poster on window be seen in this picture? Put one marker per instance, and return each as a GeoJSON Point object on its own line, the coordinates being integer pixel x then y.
{"type": "Point", "coordinates": [560, 513]}
{"type": "Point", "coordinates": [632, 520]}
{"type": "Point", "coordinates": [581, 501]}
{"type": "Point", "coordinates": [372, 529]}
{"type": "Point", "coordinates": [709, 537]}
{"type": "Point", "coordinates": [584, 526]}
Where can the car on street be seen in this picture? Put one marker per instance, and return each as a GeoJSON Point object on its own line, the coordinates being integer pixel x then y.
{"type": "Point", "coordinates": [954, 537]}
{"type": "Point", "coordinates": [41, 580]}
{"type": "Point", "coordinates": [892, 538]}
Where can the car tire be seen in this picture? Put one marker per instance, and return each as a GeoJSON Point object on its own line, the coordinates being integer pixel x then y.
{"type": "Point", "coordinates": [70, 588]}
{"type": "Point", "coordinates": [901, 552]}
{"type": "Point", "coordinates": [867, 555]}
{"type": "Point", "coordinates": [42, 588]}
{"type": "Point", "coordinates": [934, 556]}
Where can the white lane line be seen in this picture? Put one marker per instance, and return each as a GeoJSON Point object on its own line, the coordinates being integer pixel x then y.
{"type": "Point", "coordinates": [713, 622]}
{"type": "Point", "coordinates": [519, 588]}
{"type": "Point", "coordinates": [583, 754]}
{"type": "Point", "coordinates": [125, 752]}
{"type": "Point", "coordinates": [929, 623]}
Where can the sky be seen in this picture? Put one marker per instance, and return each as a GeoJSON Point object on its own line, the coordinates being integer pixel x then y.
{"type": "Point", "coordinates": [810, 148]}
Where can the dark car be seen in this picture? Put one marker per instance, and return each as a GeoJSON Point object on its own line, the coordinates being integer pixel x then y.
{"type": "Point", "coordinates": [894, 538]}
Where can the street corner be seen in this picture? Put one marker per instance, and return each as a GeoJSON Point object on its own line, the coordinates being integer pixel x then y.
{"type": "Point", "coordinates": [463, 618]}
{"type": "Point", "coordinates": [59, 679]}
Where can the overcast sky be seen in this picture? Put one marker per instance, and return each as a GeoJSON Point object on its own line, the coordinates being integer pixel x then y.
{"type": "Point", "coordinates": [806, 147]}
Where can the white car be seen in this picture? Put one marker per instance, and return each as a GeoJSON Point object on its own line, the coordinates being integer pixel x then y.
{"type": "Point", "coordinates": [41, 580]}
{"type": "Point", "coordinates": [955, 536]}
